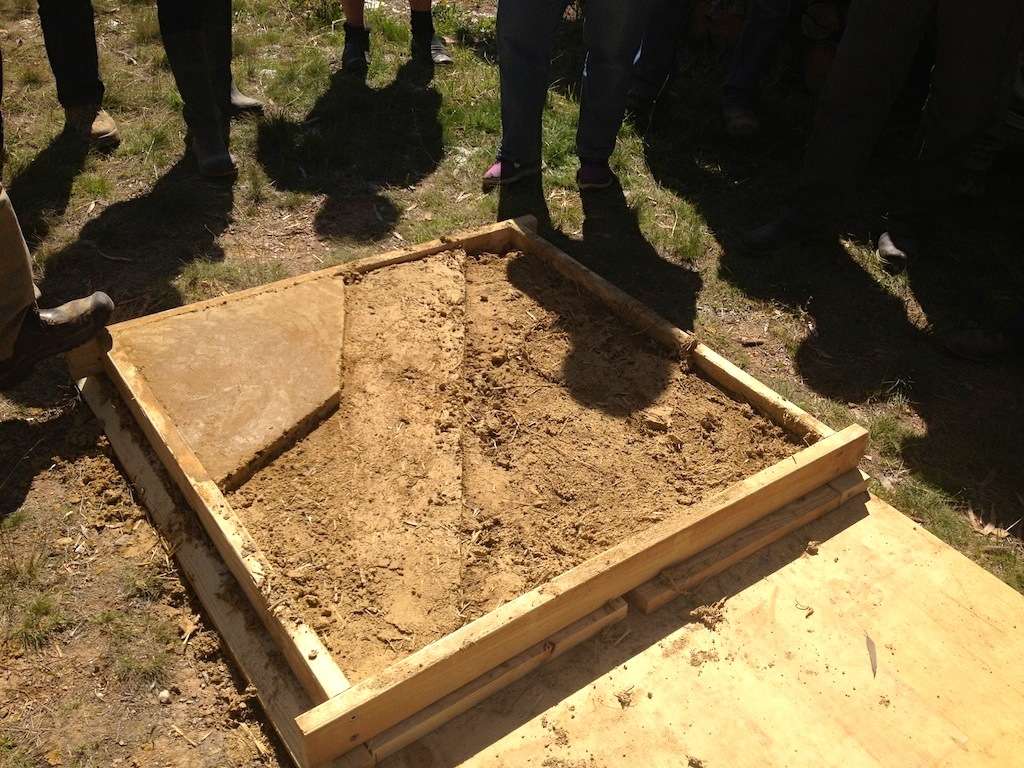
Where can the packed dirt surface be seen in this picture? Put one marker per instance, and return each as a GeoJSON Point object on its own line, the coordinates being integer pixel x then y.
{"type": "Point", "coordinates": [497, 427]}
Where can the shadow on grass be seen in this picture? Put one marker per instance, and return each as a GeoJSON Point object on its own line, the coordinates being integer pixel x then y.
{"type": "Point", "coordinates": [356, 142]}
{"type": "Point", "coordinates": [614, 247]}
{"type": "Point", "coordinates": [864, 349]}
{"type": "Point", "coordinates": [43, 189]}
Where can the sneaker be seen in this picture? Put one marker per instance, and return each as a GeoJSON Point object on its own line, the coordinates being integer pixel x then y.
{"type": "Point", "coordinates": [593, 175]}
{"type": "Point", "coordinates": [355, 56]}
{"type": "Point", "coordinates": [740, 122]}
{"type": "Point", "coordinates": [92, 124]}
{"type": "Point", "coordinates": [48, 332]}
{"type": "Point", "coordinates": [505, 172]}
{"type": "Point", "coordinates": [433, 48]}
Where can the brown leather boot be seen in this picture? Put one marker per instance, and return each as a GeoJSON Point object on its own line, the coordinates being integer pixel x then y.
{"type": "Point", "coordinates": [48, 332]}
{"type": "Point", "coordinates": [93, 124]}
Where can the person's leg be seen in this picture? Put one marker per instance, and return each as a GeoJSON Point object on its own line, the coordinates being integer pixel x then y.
{"type": "Point", "coordinates": [18, 294]}
{"type": "Point", "coordinates": [526, 37]}
{"type": "Point", "coordinates": [870, 67]}
{"type": "Point", "coordinates": [657, 55]}
{"type": "Point", "coordinates": [202, 91]}
{"type": "Point", "coordinates": [426, 44]}
{"type": "Point", "coordinates": [355, 56]}
{"type": "Point", "coordinates": [217, 33]}
{"type": "Point", "coordinates": [762, 31]}
{"type": "Point", "coordinates": [69, 34]}
{"type": "Point", "coordinates": [612, 31]}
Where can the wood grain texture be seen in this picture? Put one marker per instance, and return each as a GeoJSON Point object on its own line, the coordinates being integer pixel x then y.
{"type": "Point", "coordinates": [373, 705]}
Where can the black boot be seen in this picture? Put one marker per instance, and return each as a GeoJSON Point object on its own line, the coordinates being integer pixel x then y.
{"type": "Point", "coordinates": [355, 57]}
{"type": "Point", "coordinates": [217, 35]}
{"type": "Point", "coordinates": [206, 91]}
{"type": "Point", "coordinates": [48, 332]}
{"type": "Point", "coordinates": [794, 226]}
{"type": "Point", "coordinates": [894, 251]}
{"type": "Point", "coordinates": [426, 45]}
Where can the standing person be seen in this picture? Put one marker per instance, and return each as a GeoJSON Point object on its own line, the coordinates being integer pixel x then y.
{"type": "Point", "coordinates": [976, 45]}
{"type": "Point", "coordinates": [29, 334]}
{"type": "Point", "coordinates": [69, 33]}
{"type": "Point", "coordinates": [612, 33]}
{"type": "Point", "coordinates": [426, 44]}
{"type": "Point", "coordinates": [197, 40]}
{"type": "Point", "coordinates": [656, 60]}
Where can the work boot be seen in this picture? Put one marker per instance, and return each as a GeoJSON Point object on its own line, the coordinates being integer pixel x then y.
{"type": "Point", "coordinates": [894, 251]}
{"type": "Point", "coordinates": [93, 124]}
{"type": "Point", "coordinates": [794, 226]}
{"type": "Point", "coordinates": [48, 332]}
{"type": "Point", "coordinates": [741, 122]}
{"type": "Point", "coordinates": [594, 175]}
{"type": "Point", "coordinates": [355, 56]}
{"type": "Point", "coordinates": [244, 105]}
{"type": "Point", "coordinates": [426, 45]}
{"type": "Point", "coordinates": [205, 89]}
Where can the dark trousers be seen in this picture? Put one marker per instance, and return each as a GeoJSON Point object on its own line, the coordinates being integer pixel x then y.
{"type": "Point", "coordinates": [976, 46]}
{"type": "Point", "coordinates": [526, 37]}
{"type": "Point", "coordinates": [657, 55]}
{"type": "Point", "coordinates": [762, 30]}
{"type": "Point", "coordinates": [70, 37]}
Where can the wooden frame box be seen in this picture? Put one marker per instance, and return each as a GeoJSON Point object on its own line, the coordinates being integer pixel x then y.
{"type": "Point", "coordinates": [372, 719]}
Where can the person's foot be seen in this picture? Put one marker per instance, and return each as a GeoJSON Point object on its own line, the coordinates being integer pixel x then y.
{"type": "Point", "coordinates": [93, 124]}
{"type": "Point", "coordinates": [740, 122]}
{"type": "Point", "coordinates": [594, 175]}
{"type": "Point", "coordinates": [794, 226]}
{"type": "Point", "coordinates": [355, 56]}
{"type": "Point", "coordinates": [212, 155]}
{"type": "Point", "coordinates": [48, 332]}
{"type": "Point", "coordinates": [432, 48]}
{"type": "Point", "coordinates": [975, 343]}
{"type": "Point", "coordinates": [505, 172]}
{"type": "Point", "coordinates": [894, 251]}
{"type": "Point", "coordinates": [244, 105]}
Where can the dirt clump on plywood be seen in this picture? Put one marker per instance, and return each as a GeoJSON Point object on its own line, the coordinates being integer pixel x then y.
{"type": "Point", "coordinates": [498, 426]}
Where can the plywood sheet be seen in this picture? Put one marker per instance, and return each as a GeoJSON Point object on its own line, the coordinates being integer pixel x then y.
{"type": "Point", "coordinates": [886, 648]}
{"type": "Point", "coordinates": [235, 377]}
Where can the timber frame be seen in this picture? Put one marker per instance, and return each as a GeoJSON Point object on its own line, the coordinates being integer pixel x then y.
{"type": "Point", "coordinates": [317, 713]}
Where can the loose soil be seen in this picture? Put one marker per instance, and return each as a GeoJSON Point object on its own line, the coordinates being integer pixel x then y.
{"type": "Point", "coordinates": [497, 427]}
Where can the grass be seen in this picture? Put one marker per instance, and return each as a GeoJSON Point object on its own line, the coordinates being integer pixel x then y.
{"type": "Point", "coordinates": [404, 155]}
{"type": "Point", "coordinates": [139, 647]}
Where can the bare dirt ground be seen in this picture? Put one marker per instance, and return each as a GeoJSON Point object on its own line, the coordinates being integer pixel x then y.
{"type": "Point", "coordinates": [498, 426]}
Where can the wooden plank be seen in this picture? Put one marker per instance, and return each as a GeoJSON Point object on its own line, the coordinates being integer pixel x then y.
{"type": "Point", "coordinates": [249, 645]}
{"type": "Point", "coordinates": [454, 704]}
{"type": "Point", "coordinates": [633, 311]}
{"type": "Point", "coordinates": [308, 658]}
{"type": "Point", "coordinates": [371, 706]}
{"type": "Point", "coordinates": [496, 237]}
{"type": "Point", "coordinates": [680, 578]}
{"type": "Point", "coordinates": [741, 384]}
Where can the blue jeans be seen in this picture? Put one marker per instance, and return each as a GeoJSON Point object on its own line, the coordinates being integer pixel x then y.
{"type": "Point", "coordinates": [765, 23]}
{"type": "Point", "coordinates": [526, 36]}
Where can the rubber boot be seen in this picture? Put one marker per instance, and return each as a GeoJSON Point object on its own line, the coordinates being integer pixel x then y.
{"type": "Point", "coordinates": [206, 91]}
{"type": "Point", "coordinates": [48, 332]}
{"type": "Point", "coordinates": [244, 105]}
{"type": "Point", "coordinates": [355, 56]}
{"type": "Point", "coordinates": [217, 34]}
